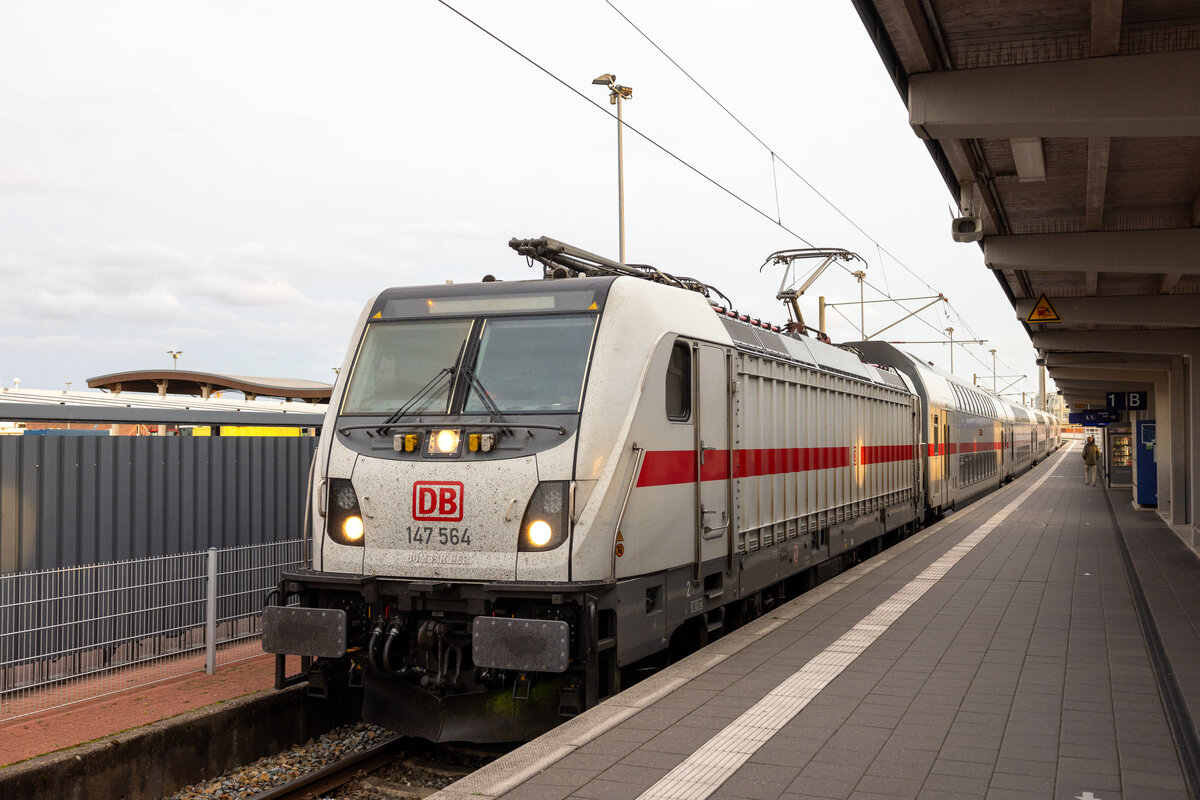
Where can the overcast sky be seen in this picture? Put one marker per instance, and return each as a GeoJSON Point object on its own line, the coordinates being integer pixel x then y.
{"type": "Point", "coordinates": [236, 179]}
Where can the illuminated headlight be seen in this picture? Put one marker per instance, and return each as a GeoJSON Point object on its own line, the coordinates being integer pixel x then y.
{"type": "Point", "coordinates": [352, 528]}
{"type": "Point", "coordinates": [444, 442]}
{"type": "Point", "coordinates": [540, 533]}
{"type": "Point", "coordinates": [345, 517]}
{"type": "Point", "coordinates": [547, 517]}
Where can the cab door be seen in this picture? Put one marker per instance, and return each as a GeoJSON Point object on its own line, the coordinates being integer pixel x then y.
{"type": "Point", "coordinates": [714, 456]}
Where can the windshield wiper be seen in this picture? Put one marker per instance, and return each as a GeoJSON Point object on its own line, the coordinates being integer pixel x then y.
{"type": "Point", "coordinates": [488, 403]}
{"type": "Point", "coordinates": [422, 393]}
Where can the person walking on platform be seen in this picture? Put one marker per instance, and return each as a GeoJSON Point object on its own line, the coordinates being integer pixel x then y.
{"type": "Point", "coordinates": [1091, 457]}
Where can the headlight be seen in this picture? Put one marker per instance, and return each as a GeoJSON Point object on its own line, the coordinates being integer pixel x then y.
{"type": "Point", "coordinates": [352, 528]}
{"type": "Point", "coordinates": [547, 517]}
{"type": "Point", "coordinates": [345, 518]}
{"type": "Point", "coordinates": [540, 533]}
{"type": "Point", "coordinates": [444, 442]}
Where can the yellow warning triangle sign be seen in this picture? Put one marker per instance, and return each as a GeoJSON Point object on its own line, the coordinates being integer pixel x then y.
{"type": "Point", "coordinates": [620, 538]}
{"type": "Point", "coordinates": [378, 315]}
{"type": "Point", "coordinates": [1043, 311]}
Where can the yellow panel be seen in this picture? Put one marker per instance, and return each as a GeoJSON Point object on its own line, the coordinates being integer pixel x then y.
{"type": "Point", "coordinates": [257, 430]}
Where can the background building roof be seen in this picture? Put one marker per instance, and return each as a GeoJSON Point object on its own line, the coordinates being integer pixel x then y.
{"type": "Point", "coordinates": [188, 382]}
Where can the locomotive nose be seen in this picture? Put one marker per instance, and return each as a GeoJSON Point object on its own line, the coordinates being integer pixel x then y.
{"type": "Point", "coordinates": [445, 520]}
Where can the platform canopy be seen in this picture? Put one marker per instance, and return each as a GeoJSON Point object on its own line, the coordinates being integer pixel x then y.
{"type": "Point", "coordinates": [1072, 131]}
{"type": "Point", "coordinates": [1068, 132]}
{"type": "Point", "coordinates": [203, 384]}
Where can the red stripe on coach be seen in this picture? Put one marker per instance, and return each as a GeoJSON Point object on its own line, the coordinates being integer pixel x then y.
{"type": "Point", "coordinates": [670, 467]}
{"type": "Point", "coordinates": [885, 453]}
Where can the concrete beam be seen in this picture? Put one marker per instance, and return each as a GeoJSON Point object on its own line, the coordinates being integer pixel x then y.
{"type": "Point", "coordinates": [1067, 374]}
{"type": "Point", "coordinates": [1098, 390]}
{"type": "Point", "coordinates": [1170, 342]}
{"type": "Point", "coordinates": [1174, 250]}
{"type": "Point", "coordinates": [1167, 281]}
{"type": "Point", "coordinates": [1089, 401]}
{"type": "Point", "coordinates": [1176, 310]}
{"type": "Point", "coordinates": [1097, 181]}
{"type": "Point", "coordinates": [1145, 362]}
{"type": "Point", "coordinates": [1106, 27]}
{"type": "Point", "coordinates": [908, 29]}
{"type": "Point", "coordinates": [1143, 95]}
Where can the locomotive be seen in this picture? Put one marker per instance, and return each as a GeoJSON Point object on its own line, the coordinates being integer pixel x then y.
{"type": "Point", "coordinates": [527, 491]}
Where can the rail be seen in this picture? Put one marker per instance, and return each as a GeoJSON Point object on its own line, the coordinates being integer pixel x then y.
{"type": "Point", "coordinates": [331, 776]}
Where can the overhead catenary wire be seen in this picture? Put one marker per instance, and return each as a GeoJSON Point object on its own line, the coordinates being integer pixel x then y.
{"type": "Point", "coordinates": [775, 157]}
{"type": "Point", "coordinates": [699, 172]}
{"type": "Point", "coordinates": [766, 146]}
{"type": "Point", "coordinates": [627, 126]}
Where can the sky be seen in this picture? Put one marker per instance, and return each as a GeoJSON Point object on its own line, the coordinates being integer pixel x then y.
{"type": "Point", "coordinates": [235, 180]}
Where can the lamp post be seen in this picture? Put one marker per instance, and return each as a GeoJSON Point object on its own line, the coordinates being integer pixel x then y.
{"type": "Point", "coordinates": [617, 93]}
{"type": "Point", "coordinates": [951, 332]}
{"type": "Point", "coordinates": [174, 354]}
{"type": "Point", "coordinates": [993, 352]}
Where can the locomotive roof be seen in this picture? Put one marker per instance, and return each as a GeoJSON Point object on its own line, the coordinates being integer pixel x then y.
{"type": "Point", "coordinates": [492, 297]}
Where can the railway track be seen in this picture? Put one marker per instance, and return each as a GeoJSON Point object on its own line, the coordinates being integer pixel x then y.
{"type": "Point", "coordinates": [339, 773]}
{"type": "Point", "coordinates": [354, 762]}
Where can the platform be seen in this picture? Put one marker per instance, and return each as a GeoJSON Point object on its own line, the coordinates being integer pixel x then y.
{"type": "Point", "coordinates": [1000, 653]}
{"type": "Point", "coordinates": [75, 724]}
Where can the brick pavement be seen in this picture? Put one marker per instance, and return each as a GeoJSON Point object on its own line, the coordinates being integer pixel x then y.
{"type": "Point", "coordinates": [37, 734]}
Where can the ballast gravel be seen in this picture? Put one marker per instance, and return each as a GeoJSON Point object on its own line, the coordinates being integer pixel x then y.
{"type": "Point", "coordinates": [419, 771]}
{"type": "Point", "coordinates": [274, 770]}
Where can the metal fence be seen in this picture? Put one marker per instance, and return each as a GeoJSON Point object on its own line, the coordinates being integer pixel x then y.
{"type": "Point", "coordinates": [76, 633]}
{"type": "Point", "coordinates": [67, 501]}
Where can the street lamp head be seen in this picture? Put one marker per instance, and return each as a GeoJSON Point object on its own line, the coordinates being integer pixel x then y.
{"type": "Point", "coordinates": [605, 80]}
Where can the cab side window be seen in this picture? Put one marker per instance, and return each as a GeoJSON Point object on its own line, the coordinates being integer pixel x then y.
{"type": "Point", "coordinates": [679, 383]}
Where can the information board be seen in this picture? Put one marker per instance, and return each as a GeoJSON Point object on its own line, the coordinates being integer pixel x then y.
{"type": "Point", "coordinates": [1126, 401]}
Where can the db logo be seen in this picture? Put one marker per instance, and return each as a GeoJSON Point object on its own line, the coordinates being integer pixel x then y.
{"type": "Point", "coordinates": [438, 502]}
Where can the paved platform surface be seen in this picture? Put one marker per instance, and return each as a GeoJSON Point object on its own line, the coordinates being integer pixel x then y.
{"type": "Point", "coordinates": [38, 734]}
{"type": "Point", "coordinates": [997, 654]}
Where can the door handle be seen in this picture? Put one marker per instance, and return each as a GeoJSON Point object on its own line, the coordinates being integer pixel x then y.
{"type": "Point", "coordinates": [707, 529]}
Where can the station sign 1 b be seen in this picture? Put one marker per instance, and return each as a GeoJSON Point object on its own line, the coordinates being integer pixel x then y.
{"type": "Point", "coordinates": [1127, 401]}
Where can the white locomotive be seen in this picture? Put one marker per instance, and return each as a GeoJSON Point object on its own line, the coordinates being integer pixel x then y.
{"type": "Point", "coordinates": [525, 489]}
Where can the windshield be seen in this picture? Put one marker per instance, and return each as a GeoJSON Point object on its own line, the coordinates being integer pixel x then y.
{"type": "Point", "coordinates": [532, 363]}
{"type": "Point", "coordinates": [400, 360]}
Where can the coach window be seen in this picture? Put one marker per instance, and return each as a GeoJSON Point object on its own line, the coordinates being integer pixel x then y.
{"type": "Point", "coordinates": [679, 383]}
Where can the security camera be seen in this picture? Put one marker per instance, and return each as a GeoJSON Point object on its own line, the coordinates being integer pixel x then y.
{"type": "Point", "coordinates": [967, 229]}
{"type": "Point", "coordinates": [1041, 362]}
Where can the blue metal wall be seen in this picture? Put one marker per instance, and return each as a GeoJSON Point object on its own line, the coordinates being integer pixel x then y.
{"type": "Point", "coordinates": [66, 501]}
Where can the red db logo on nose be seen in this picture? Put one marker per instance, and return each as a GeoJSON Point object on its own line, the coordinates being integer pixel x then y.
{"type": "Point", "coordinates": [438, 501]}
